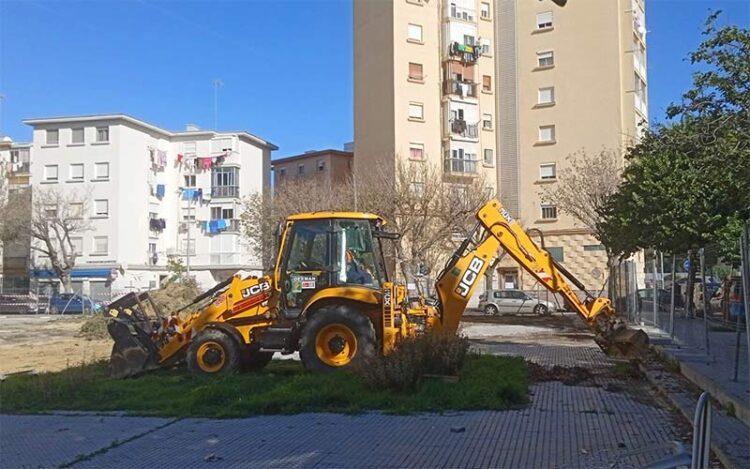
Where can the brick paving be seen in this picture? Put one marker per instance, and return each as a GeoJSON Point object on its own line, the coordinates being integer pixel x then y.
{"type": "Point", "coordinates": [563, 427]}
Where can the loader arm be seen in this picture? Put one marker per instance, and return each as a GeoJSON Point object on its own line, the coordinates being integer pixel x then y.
{"type": "Point", "coordinates": [497, 229]}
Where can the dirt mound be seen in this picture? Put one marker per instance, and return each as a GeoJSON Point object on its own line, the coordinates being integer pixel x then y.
{"type": "Point", "coordinates": [94, 328]}
{"type": "Point", "coordinates": [568, 376]}
{"type": "Point", "coordinates": [174, 295]}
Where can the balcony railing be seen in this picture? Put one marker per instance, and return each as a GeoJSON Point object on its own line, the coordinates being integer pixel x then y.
{"type": "Point", "coordinates": [464, 129]}
{"type": "Point", "coordinates": [17, 169]}
{"type": "Point", "coordinates": [225, 258]}
{"type": "Point", "coordinates": [465, 52]}
{"type": "Point", "coordinates": [464, 14]}
{"type": "Point", "coordinates": [461, 88]}
{"type": "Point", "coordinates": [225, 191]}
{"type": "Point", "coordinates": [460, 165]}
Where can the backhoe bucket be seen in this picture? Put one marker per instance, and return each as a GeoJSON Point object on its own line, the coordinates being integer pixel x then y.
{"type": "Point", "coordinates": [133, 352]}
{"type": "Point", "coordinates": [624, 343]}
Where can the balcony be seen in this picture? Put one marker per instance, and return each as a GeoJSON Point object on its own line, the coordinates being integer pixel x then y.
{"type": "Point", "coordinates": [464, 89]}
{"type": "Point", "coordinates": [464, 14]}
{"type": "Point", "coordinates": [465, 52]}
{"type": "Point", "coordinates": [225, 192]}
{"type": "Point", "coordinates": [460, 166]}
{"type": "Point", "coordinates": [19, 169]}
{"type": "Point", "coordinates": [461, 128]}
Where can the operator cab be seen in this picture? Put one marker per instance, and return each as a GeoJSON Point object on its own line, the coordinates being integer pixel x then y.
{"type": "Point", "coordinates": [323, 251]}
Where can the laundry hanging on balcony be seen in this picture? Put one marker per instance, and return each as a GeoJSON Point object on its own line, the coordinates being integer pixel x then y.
{"type": "Point", "coordinates": [160, 191]}
{"type": "Point", "coordinates": [157, 224]}
{"type": "Point", "coordinates": [215, 226]}
{"type": "Point", "coordinates": [158, 159]}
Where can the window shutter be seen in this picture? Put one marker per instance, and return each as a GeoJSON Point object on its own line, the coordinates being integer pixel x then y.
{"type": "Point", "coordinates": [415, 71]}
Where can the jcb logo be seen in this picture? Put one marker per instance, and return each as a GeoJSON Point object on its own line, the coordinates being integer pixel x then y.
{"type": "Point", "coordinates": [255, 289]}
{"type": "Point", "coordinates": [387, 298]}
{"type": "Point", "coordinates": [469, 277]}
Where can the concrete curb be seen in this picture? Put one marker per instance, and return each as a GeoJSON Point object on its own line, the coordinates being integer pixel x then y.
{"type": "Point", "coordinates": [741, 411]}
{"type": "Point", "coordinates": [728, 433]}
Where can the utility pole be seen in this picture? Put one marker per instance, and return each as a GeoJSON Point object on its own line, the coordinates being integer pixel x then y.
{"type": "Point", "coordinates": [187, 247]}
{"type": "Point", "coordinates": [217, 84]}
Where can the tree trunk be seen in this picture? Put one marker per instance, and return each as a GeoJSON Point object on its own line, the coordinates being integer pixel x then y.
{"type": "Point", "coordinates": [67, 285]}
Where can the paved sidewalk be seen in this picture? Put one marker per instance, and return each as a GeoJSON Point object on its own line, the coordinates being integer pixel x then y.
{"type": "Point", "coordinates": [563, 426]}
{"type": "Point", "coordinates": [712, 372]}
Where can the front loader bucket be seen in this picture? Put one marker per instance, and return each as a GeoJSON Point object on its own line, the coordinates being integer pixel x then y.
{"type": "Point", "coordinates": [624, 343]}
{"type": "Point", "coordinates": [133, 352]}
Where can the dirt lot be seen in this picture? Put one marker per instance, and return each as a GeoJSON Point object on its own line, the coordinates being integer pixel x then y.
{"type": "Point", "coordinates": [46, 343]}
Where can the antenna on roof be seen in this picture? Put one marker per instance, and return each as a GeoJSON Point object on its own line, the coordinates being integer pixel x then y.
{"type": "Point", "coordinates": [217, 84]}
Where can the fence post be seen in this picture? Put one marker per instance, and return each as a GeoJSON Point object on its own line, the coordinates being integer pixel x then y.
{"type": "Point", "coordinates": [656, 291]}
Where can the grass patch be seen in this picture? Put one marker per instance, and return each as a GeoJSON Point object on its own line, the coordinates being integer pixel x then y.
{"type": "Point", "coordinates": [487, 382]}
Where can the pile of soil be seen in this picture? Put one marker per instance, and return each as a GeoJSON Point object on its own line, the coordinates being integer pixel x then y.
{"type": "Point", "coordinates": [94, 328]}
{"type": "Point", "coordinates": [568, 376]}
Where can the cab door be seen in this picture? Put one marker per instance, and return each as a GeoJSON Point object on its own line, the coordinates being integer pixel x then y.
{"type": "Point", "coordinates": [307, 264]}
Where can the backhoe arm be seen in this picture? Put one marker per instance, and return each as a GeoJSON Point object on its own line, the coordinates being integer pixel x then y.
{"type": "Point", "coordinates": [496, 229]}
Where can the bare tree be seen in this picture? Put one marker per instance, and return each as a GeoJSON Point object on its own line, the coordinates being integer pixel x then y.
{"type": "Point", "coordinates": [56, 217]}
{"type": "Point", "coordinates": [430, 212]}
{"type": "Point", "coordinates": [583, 187]}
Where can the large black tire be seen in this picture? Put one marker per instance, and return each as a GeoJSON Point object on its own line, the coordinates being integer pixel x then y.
{"type": "Point", "coordinates": [541, 310]}
{"type": "Point", "coordinates": [491, 310]}
{"type": "Point", "coordinates": [325, 322]}
{"type": "Point", "coordinates": [213, 352]}
{"type": "Point", "coordinates": [254, 360]}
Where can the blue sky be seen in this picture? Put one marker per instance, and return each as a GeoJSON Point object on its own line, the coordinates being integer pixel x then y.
{"type": "Point", "coordinates": [286, 65]}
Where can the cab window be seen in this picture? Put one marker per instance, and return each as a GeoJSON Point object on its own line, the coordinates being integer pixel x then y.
{"type": "Point", "coordinates": [357, 258]}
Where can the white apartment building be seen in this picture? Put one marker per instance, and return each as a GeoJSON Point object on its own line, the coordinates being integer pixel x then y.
{"type": "Point", "coordinates": [15, 158]}
{"type": "Point", "coordinates": [152, 194]}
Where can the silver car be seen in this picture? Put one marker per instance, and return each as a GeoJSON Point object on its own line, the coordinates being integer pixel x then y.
{"type": "Point", "coordinates": [494, 302]}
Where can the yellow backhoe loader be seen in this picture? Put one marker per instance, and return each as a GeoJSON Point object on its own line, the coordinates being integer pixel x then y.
{"type": "Point", "coordinates": [330, 299]}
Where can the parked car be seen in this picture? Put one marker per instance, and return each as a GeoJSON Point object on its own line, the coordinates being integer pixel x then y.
{"type": "Point", "coordinates": [728, 301]}
{"type": "Point", "coordinates": [73, 303]}
{"type": "Point", "coordinates": [646, 299]}
{"type": "Point", "coordinates": [494, 302]}
{"type": "Point", "coordinates": [711, 289]}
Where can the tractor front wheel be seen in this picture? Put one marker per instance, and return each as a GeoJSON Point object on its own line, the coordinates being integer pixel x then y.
{"type": "Point", "coordinates": [213, 352]}
{"type": "Point", "coordinates": [336, 337]}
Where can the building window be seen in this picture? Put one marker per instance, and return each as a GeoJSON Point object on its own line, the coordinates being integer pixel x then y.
{"type": "Point", "coordinates": [282, 172]}
{"type": "Point", "coordinates": [415, 32]}
{"type": "Point", "coordinates": [547, 133]}
{"type": "Point", "coordinates": [101, 208]}
{"type": "Point", "coordinates": [220, 213]}
{"type": "Point", "coordinates": [546, 95]}
{"type": "Point", "coordinates": [76, 242]}
{"type": "Point", "coordinates": [549, 212]}
{"type": "Point", "coordinates": [415, 71]}
{"type": "Point", "coordinates": [301, 170]}
{"type": "Point", "coordinates": [544, 20]}
{"type": "Point", "coordinates": [556, 253]}
{"type": "Point", "coordinates": [50, 172]}
{"type": "Point", "coordinates": [487, 121]}
{"type": "Point", "coordinates": [225, 182]}
{"type": "Point", "coordinates": [486, 83]}
{"type": "Point", "coordinates": [416, 151]}
{"type": "Point", "coordinates": [594, 247]}
{"type": "Point", "coordinates": [545, 59]}
{"type": "Point", "coordinates": [53, 137]}
{"type": "Point", "coordinates": [76, 172]}
{"type": "Point", "coordinates": [77, 136]}
{"type": "Point", "coordinates": [101, 171]}
{"type": "Point", "coordinates": [484, 10]}
{"type": "Point", "coordinates": [76, 210]}
{"type": "Point", "coordinates": [416, 111]}
{"type": "Point", "coordinates": [101, 245]}
{"type": "Point", "coordinates": [489, 157]}
{"type": "Point", "coordinates": [190, 180]}
{"type": "Point", "coordinates": [50, 210]}
{"type": "Point", "coordinates": [222, 145]}
{"type": "Point", "coordinates": [321, 165]}
{"type": "Point", "coordinates": [187, 247]}
{"type": "Point", "coordinates": [486, 47]}
{"type": "Point", "coordinates": [416, 188]}
{"type": "Point", "coordinates": [102, 134]}
{"type": "Point", "coordinates": [547, 171]}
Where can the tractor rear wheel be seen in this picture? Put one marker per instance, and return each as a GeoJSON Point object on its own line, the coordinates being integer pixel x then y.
{"type": "Point", "coordinates": [336, 337]}
{"type": "Point", "coordinates": [213, 352]}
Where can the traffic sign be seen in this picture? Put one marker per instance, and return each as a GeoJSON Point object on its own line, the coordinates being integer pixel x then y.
{"type": "Point", "coordinates": [686, 265]}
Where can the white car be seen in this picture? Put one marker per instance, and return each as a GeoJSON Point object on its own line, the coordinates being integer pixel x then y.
{"type": "Point", "coordinates": [494, 302]}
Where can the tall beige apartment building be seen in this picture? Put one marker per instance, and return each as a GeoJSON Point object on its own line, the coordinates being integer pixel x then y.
{"type": "Point", "coordinates": [424, 87]}
{"type": "Point", "coordinates": [504, 89]}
